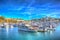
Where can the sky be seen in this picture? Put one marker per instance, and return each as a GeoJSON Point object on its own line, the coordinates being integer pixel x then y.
{"type": "Point", "coordinates": [29, 9]}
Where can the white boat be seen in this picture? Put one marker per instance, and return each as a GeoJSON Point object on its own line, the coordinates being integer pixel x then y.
{"type": "Point", "coordinates": [25, 28]}
{"type": "Point", "coordinates": [2, 26]}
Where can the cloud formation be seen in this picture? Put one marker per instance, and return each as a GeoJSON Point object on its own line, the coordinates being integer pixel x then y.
{"type": "Point", "coordinates": [29, 8]}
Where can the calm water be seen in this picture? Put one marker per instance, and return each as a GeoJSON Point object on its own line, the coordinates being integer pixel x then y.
{"type": "Point", "coordinates": [13, 34]}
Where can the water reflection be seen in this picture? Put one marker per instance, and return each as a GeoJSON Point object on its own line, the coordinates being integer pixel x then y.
{"type": "Point", "coordinates": [36, 36]}
{"type": "Point", "coordinates": [14, 34]}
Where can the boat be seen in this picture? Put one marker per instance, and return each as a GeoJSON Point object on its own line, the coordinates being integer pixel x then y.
{"type": "Point", "coordinates": [2, 26]}
{"type": "Point", "coordinates": [42, 29]}
{"type": "Point", "coordinates": [51, 27]}
{"type": "Point", "coordinates": [25, 28]}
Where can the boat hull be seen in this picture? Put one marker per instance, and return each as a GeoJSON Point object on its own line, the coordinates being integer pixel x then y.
{"type": "Point", "coordinates": [26, 30]}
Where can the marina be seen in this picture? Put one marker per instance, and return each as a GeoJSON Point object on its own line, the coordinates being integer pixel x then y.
{"type": "Point", "coordinates": [37, 29]}
{"type": "Point", "coordinates": [29, 19]}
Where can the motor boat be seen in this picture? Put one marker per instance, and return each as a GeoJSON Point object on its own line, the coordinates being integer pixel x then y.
{"type": "Point", "coordinates": [25, 28]}
{"type": "Point", "coordinates": [2, 26]}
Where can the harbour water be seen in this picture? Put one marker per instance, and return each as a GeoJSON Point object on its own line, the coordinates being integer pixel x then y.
{"type": "Point", "coordinates": [14, 34]}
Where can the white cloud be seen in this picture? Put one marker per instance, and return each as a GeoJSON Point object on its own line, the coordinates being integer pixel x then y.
{"type": "Point", "coordinates": [17, 8]}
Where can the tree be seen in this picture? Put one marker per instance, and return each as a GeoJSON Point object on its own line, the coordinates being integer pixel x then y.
{"type": "Point", "coordinates": [2, 18]}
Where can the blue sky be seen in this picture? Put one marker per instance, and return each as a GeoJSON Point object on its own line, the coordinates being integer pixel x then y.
{"type": "Point", "coordinates": [28, 9]}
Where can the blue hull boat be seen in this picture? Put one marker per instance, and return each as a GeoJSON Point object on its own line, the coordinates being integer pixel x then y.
{"type": "Point", "coordinates": [26, 30]}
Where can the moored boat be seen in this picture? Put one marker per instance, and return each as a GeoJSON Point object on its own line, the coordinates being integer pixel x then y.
{"type": "Point", "coordinates": [25, 28]}
{"type": "Point", "coordinates": [2, 25]}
